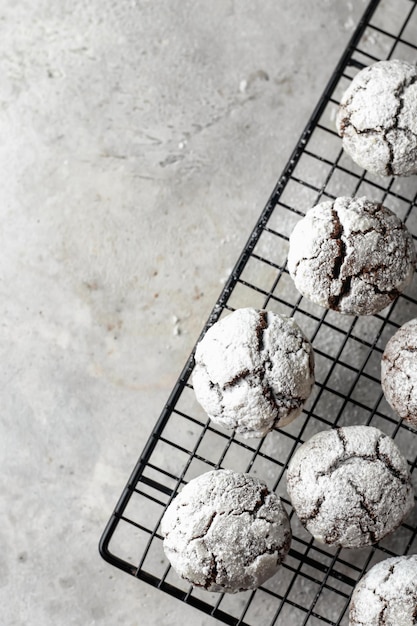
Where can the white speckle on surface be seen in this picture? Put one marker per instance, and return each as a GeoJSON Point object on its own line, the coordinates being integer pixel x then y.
{"type": "Point", "coordinates": [349, 24]}
{"type": "Point", "coordinates": [226, 275]}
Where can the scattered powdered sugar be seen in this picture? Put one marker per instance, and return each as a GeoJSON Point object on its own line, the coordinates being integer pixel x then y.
{"type": "Point", "coordinates": [350, 486]}
{"type": "Point", "coordinates": [226, 531]}
{"type": "Point", "coordinates": [399, 372]}
{"type": "Point", "coordinates": [351, 255]}
{"type": "Point", "coordinates": [253, 371]}
{"type": "Point", "coordinates": [377, 118]}
{"type": "Point", "coordinates": [387, 594]}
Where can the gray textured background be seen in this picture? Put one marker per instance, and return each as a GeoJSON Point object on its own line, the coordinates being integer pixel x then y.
{"type": "Point", "coordinates": [139, 141]}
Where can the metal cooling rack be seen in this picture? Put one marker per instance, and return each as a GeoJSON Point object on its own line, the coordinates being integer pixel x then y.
{"type": "Point", "coordinates": [315, 583]}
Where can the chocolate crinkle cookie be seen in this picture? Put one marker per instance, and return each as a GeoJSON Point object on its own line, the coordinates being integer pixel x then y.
{"type": "Point", "coordinates": [226, 532]}
{"type": "Point", "coordinates": [254, 370]}
{"type": "Point", "coordinates": [350, 486]}
{"type": "Point", "coordinates": [351, 255]}
{"type": "Point", "coordinates": [387, 594]}
{"type": "Point", "coordinates": [399, 372]}
{"type": "Point", "coordinates": [377, 118]}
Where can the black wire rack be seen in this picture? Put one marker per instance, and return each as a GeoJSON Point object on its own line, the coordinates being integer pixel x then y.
{"type": "Point", "coordinates": [315, 583]}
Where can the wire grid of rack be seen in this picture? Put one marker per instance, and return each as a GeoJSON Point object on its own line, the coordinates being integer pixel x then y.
{"type": "Point", "coordinates": [315, 583]}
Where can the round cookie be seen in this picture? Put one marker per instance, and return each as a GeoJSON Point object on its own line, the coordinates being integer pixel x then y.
{"type": "Point", "coordinates": [254, 370]}
{"type": "Point", "coordinates": [387, 594]}
{"type": "Point", "coordinates": [351, 255]}
{"type": "Point", "coordinates": [226, 532]}
{"type": "Point", "coordinates": [377, 118]}
{"type": "Point", "coordinates": [350, 486]}
{"type": "Point", "coordinates": [399, 372]}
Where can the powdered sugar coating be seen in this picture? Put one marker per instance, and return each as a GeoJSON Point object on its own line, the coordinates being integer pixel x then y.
{"type": "Point", "coordinates": [254, 370]}
{"type": "Point", "coordinates": [387, 594]}
{"type": "Point", "coordinates": [377, 118]}
{"type": "Point", "coordinates": [399, 372]}
{"type": "Point", "coordinates": [350, 486]}
{"type": "Point", "coordinates": [226, 531]}
{"type": "Point", "coordinates": [351, 255]}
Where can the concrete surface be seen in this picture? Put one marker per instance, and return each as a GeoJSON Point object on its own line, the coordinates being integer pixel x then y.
{"type": "Point", "coordinates": [139, 142]}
